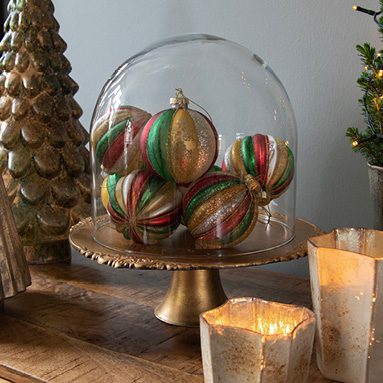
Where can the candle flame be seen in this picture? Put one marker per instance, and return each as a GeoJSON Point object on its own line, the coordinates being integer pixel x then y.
{"type": "Point", "coordinates": [271, 327]}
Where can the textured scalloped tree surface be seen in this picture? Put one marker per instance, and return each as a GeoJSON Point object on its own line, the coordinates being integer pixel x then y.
{"type": "Point", "coordinates": [43, 158]}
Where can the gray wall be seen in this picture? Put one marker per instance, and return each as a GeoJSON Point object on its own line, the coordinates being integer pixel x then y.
{"type": "Point", "coordinates": [309, 44]}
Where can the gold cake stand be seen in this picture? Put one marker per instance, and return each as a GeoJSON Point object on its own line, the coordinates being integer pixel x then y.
{"type": "Point", "coordinates": [195, 285]}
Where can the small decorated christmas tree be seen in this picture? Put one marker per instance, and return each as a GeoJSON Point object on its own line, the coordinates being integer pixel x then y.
{"type": "Point", "coordinates": [370, 143]}
{"type": "Point", "coordinates": [43, 158]}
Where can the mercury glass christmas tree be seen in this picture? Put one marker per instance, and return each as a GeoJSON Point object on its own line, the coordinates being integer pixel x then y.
{"type": "Point", "coordinates": [43, 158]}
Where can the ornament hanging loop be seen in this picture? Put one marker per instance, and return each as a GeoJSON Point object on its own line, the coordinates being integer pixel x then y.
{"type": "Point", "coordinates": [268, 215]}
{"type": "Point", "coordinates": [181, 101]}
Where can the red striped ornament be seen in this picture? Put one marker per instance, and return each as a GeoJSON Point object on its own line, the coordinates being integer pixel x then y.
{"type": "Point", "coordinates": [219, 210]}
{"type": "Point", "coordinates": [145, 208]}
{"type": "Point", "coordinates": [179, 144]}
{"type": "Point", "coordinates": [116, 139]}
{"type": "Point", "coordinates": [266, 163]}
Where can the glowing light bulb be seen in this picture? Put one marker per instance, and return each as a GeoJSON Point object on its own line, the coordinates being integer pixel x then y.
{"type": "Point", "coordinates": [355, 7]}
{"type": "Point", "coordinates": [355, 143]}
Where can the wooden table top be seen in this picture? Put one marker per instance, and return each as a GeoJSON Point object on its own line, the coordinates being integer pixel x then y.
{"type": "Point", "coordinates": [86, 322]}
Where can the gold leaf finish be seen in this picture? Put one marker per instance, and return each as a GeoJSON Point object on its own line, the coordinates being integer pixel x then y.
{"type": "Point", "coordinates": [196, 284]}
{"type": "Point", "coordinates": [44, 161]}
{"type": "Point", "coordinates": [151, 257]}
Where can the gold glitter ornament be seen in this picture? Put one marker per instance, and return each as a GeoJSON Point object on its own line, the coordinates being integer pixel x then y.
{"type": "Point", "coordinates": [179, 144]}
{"type": "Point", "coordinates": [264, 162]}
{"type": "Point", "coordinates": [144, 207]}
{"type": "Point", "coordinates": [116, 139]}
{"type": "Point", "coordinates": [219, 210]}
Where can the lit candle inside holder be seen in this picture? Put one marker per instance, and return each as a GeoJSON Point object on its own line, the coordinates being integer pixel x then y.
{"type": "Point", "coordinates": [252, 340]}
{"type": "Point", "coordinates": [346, 271]}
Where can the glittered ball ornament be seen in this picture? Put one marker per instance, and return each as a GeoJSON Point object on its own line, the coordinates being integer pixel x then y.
{"type": "Point", "coordinates": [116, 139]}
{"type": "Point", "coordinates": [264, 162]}
{"type": "Point", "coordinates": [144, 207]}
{"type": "Point", "coordinates": [179, 144]}
{"type": "Point", "coordinates": [219, 210]}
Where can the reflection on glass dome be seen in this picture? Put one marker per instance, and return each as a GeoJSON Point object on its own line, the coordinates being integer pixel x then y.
{"type": "Point", "coordinates": [208, 173]}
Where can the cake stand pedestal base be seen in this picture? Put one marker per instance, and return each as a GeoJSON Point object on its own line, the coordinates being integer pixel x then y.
{"type": "Point", "coordinates": [196, 285]}
{"type": "Point", "coordinates": [191, 292]}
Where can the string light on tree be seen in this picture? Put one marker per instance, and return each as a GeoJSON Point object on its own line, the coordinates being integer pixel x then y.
{"type": "Point", "coordinates": [370, 143]}
{"type": "Point", "coordinates": [369, 12]}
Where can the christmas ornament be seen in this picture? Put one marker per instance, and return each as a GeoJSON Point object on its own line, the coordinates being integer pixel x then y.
{"type": "Point", "coordinates": [43, 158]}
{"type": "Point", "coordinates": [179, 144]}
{"type": "Point", "coordinates": [116, 139]}
{"type": "Point", "coordinates": [266, 164]}
{"type": "Point", "coordinates": [219, 210]}
{"type": "Point", "coordinates": [144, 207]}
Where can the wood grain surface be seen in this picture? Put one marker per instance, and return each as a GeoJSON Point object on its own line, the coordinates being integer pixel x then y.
{"type": "Point", "coordinates": [86, 322]}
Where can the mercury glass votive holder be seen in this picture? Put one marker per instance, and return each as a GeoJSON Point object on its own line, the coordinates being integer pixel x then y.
{"type": "Point", "coordinates": [346, 272]}
{"type": "Point", "coordinates": [252, 340]}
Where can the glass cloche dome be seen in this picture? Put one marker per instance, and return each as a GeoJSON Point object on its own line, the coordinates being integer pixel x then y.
{"type": "Point", "coordinates": [193, 145]}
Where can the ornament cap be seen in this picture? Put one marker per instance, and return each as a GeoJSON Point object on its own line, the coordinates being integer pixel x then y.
{"type": "Point", "coordinates": [262, 197]}
{"type": "Point", "coordinates": [179, 102]}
